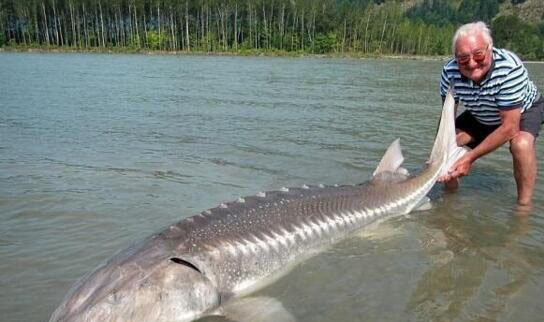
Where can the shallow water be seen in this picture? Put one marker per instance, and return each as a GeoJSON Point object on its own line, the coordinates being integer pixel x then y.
{"type": "Point", "coordinates": [98, 151]}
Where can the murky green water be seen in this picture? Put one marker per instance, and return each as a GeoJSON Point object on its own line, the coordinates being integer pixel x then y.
{"type": "Point", "coordinates": [98, 151]}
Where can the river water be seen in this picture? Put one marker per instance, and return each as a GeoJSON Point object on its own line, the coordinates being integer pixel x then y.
{"type": "Point", "coordinates": [99, 151]}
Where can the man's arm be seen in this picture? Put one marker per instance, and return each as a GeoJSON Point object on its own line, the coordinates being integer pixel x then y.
{"type": "Point", "coordinates": [504, 133]}
{"type": "Point", "coordinates": [508, 129]}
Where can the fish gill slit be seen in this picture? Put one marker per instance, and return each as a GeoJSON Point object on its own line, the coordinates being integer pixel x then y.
{"type": "Point", "coordinates": [183, 262]}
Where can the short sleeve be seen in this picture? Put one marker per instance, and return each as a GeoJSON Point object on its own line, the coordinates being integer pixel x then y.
{"type": "Point", "coordinates": [444, 83]}
{"type": "Point", "coordinates": [447, 79]}
{"type": "Point", "coordinates": [511, 92]}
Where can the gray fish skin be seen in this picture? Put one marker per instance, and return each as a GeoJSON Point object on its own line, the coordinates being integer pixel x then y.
{"type": "Point", "coordinates": [195, 266]}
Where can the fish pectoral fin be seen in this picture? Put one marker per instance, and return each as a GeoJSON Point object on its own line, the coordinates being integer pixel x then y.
{"type": "Point", "coordinates": [256, 309]}
{"type": "Point", "coordinates": [391, 160]}
{"type": "Point", "coordinates": [423, 204]}
{"type": "Point", "coordinates": [403, 171]}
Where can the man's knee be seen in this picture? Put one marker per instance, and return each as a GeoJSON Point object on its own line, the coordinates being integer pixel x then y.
{"type": "Point", "coordinates": [523, 143]}
{"type": "Point", "coordinates": [462, 137]}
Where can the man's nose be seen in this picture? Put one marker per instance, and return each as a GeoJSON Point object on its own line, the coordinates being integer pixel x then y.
{"type": "Point", "coordinates": [472, 63]}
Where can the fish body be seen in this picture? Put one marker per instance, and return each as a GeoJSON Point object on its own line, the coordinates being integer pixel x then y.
{"type": "Point", "coordinates": [198, 265]}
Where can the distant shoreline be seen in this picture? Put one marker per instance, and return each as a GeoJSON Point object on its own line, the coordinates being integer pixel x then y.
{"type": "Point", "coordinates": [241, 53]}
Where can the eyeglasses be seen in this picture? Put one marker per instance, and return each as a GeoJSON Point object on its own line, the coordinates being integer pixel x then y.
{"type": "Point", "coordinates": [478, 56]}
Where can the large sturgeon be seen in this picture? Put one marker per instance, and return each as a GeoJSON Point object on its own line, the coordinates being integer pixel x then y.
{"type": "Point", "coordinates": [198, 265]}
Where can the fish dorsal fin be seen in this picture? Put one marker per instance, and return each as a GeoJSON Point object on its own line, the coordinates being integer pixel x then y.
{"type": "Point", "coordinates": [391, 160]}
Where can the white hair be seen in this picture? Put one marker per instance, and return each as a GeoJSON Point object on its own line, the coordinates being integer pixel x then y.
{"type": "Point", "coordinates": [472, 28]}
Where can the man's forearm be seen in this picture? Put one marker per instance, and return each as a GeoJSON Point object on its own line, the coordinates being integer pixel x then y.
{"type": "Point", "coordinates": [497, 138]}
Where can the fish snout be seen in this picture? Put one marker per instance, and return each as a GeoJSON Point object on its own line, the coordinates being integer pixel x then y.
{"type": "Point", "coordinates": [136, 287]}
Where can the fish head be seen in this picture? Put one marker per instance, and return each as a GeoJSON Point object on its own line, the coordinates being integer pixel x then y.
{"type": "Point", "coordinates": [142, 284]}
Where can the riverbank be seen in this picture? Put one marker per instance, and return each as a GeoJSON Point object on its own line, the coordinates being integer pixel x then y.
{"type": "Point", "coordinates": [241, 52]}
{"type": "Point", "coordinates": [248, 53]}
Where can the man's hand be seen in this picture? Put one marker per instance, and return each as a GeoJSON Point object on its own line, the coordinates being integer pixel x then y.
{"type": "Point", "coordinates": [460, 168]}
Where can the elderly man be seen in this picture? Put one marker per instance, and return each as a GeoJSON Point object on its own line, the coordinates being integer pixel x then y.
{"type": "Point", "coordinates": [502, 105]}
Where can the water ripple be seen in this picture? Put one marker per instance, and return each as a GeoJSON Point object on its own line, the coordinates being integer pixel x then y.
{"type": "Point", "coordinates": [113, 147]}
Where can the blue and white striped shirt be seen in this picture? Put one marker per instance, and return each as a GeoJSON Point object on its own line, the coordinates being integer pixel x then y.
{"type": "Point", "coordinates": [506, 86]}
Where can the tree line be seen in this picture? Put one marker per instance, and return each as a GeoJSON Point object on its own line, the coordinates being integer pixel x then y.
{"type": "Point", "coordinates": [372, 27]}
{"type": "Point", "coordinates": [509, 30]}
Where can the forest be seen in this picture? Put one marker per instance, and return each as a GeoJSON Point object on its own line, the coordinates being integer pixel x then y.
{"type": "Point", "coordinates": [283, 27]}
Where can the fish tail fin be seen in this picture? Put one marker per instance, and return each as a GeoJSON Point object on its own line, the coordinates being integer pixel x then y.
{"type": "Point", "coordinates": [445, 147]}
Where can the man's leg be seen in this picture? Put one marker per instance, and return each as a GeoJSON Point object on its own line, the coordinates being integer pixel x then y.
{"type": "Point", "coordinates": [463, 138]}
{"type": "Point", "coordinates": [523, 152]}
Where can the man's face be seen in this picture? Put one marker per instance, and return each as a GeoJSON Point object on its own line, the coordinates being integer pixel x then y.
{"type": "Point", "coordinates": [474, 56]}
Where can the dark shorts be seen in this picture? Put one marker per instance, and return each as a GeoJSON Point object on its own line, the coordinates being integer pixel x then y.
{"type": "Point", "coordinates": [531, 121]}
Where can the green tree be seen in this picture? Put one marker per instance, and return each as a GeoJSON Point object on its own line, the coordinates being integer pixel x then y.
{"type": "Point", "coordinates": [351, 26]}
{"type": "Point", "coordinates": [155, 40]}
{"type": "Point", "coordinates": [325, 43]}
{"type": "Point", "coordinates": [524, 39]}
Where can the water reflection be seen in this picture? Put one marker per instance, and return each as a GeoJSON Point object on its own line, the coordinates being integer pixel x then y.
{"type": "Point", "coordinates": [479, 264]}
